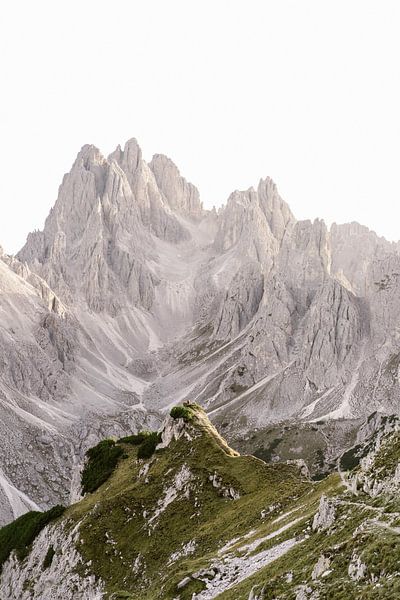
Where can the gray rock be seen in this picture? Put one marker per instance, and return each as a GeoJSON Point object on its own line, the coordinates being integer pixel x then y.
{"type": "Point", "coordinates": [185, 581]}
{"type": "Point", "coordinates": [134, 297]}
{"type": "Point", "coordinates": [326, 515]}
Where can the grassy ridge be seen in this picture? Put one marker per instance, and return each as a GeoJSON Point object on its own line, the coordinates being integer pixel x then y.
{"type": "Point", "coordinates": [146, 530]}
{"type": "Point", "coordinates": [182, 412]}
{"type": "Point", "coordinates": [158, 523]}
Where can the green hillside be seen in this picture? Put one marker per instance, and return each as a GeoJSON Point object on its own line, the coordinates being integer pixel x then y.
{"type": "Point", "coordinates": [197, 521]}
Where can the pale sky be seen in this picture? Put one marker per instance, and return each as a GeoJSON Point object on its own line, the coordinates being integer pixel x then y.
{"type": "Point", "coordinates": [306, 91]}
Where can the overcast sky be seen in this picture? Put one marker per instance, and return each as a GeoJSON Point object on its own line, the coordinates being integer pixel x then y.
{"type": "Point", "coordinates": [306, 91]}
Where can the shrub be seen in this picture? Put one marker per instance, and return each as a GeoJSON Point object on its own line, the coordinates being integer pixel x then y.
{"type": "Point", "coordinates": [101, 462]}
{"type": "Point", "coordinates": [135, 440]}
{"type": "Point", "coordinates": [148, 446]}
{"type": "Point", "coordinates": [20, 534]}
{"type": "Point", "coordinates": [181, 412]}
{"type": "Point", "coordinates": [48, 559]}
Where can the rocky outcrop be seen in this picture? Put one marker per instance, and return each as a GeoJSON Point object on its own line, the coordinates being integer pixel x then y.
{"type": "Point", "coordinates": [225, 491]}
{"type": "Point", "coordinates": [378, 469]}
{"type": "Point", "coordinates": [240, 303]}
{"type": "Point", "coordinates": [332, 333]}
{"type": "Point", "coordinates": [59, 579]}
{"type": "Point", "coordinates": [354, 249]}
{"type": "Point", "coordinates": [357, 568]}
{"type": "Point", "coordinates": [326, 515]}
{"type": "Point", "coordinates": [321, 568]}
{"type": "Point", "coordinates": [174, 429]}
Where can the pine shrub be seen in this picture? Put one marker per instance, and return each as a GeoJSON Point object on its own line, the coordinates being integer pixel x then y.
{"type": "Point", "coordinates": [182, 412]}
{"type": "Point", "coordinates": [101, 462]}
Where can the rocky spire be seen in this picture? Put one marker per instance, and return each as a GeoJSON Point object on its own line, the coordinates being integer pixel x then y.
{"type": "Point", "coordinates": [129, 158]}
{"type": "Point", "coordinates": [277, 212]}
{"type": "Point", "coordinates": [85, 234]}
{"type": "Point", "coordinates": [179, 194]}
{"type": "Point", "coordinates": [155, 210]}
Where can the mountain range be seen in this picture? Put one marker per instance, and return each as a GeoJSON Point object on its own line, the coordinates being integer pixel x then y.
{"type": "Point", "coordinates": [134, 298]}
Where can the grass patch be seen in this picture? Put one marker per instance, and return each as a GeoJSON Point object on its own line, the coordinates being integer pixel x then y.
{"type": "Point", "coordinates": [20, 534]}
{"type": "Point", "coordinates": [381, 553]}
{"type": "Point", "coordinates": [102, 460]}
{"type": "Point", "coordinates": [182, 412]}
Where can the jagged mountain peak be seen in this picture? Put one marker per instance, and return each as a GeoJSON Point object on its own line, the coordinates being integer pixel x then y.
{"type": "Point", "coordinates": [164, 161]}
{"type": "Point", "coordinates": [180, 194]}
{"type": "Point", "coordinates": [354, 228]}
{"type": "Point", "coordinates": [89, 153]}
{"type": "Point", "coordinates": [129, 158]}
{"type": "Point", "coordinates": [104, 213]}
{"type": "Point", "coordinates": [262, 208]}
{"type": "Point", "coordinates": [277, 211]}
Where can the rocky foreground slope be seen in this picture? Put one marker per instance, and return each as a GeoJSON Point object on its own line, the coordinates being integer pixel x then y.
{"type": "Point", "coordinates": [192, 519]}
{"type": "Point", "coordinates": [133, 298]}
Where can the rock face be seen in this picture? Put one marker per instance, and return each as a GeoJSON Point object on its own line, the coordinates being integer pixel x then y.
{"type": "Point", "coordinates": [133, 297]}
{"type": "Point", "coordinates": [59, 579]}
{"type": "Point", "coordinates": [179, 194]}
{"type": "Point", "coordinates": [326, 514]}
{"type": "Point", "coordinates": [378, 455]}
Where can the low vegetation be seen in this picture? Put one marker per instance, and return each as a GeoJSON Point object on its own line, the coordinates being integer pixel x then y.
{"type": "Point", "coordinates": [136, 439]}
{"type": "Point", "coordinates": [20, 534]}
{"type": "Point", "coordinates": [148, 445]}
{"type": "Point", "coordinates": [146, 440]}
{"type": "Point", "coordinates": [182, 412]}
{"type": "Point", "coordinates": [101, 462]}
{"type": "Point", "coordinates": [103, 458]}
{"type": "Point", "coordinates": [388, 457]}
{"type": "Point", "coordinates": [48, 559]}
